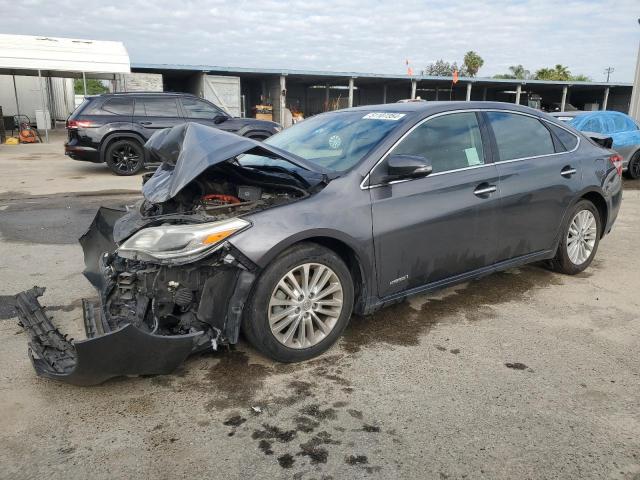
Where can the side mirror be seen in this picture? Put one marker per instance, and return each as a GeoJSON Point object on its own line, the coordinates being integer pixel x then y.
{"type": "Point", "coordinates": [407, 166]}
{"type": "Point", "coordinates": [218, 119]}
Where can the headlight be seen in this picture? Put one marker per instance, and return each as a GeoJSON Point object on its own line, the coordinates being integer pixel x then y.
{"type": "Point", "coordinates": [180, 242]}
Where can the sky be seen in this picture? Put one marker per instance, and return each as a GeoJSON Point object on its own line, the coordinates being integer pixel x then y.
{"type": "Point", "coordinates": [349, 35]}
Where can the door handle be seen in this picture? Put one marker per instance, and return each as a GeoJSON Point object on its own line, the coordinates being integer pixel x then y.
{"type": "Point", "coordinates": [144, 123]}
{"type": "Point", "coordinates": [568, 171]}
{"type": "Point", "coordinates": [484, 189]}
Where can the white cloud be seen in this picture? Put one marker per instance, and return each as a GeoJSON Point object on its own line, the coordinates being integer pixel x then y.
{"type": "Point", "coordinates": [350, 35]}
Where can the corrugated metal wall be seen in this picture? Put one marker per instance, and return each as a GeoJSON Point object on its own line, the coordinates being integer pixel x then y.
{"type": "Point", "coordinates": [58, 94]}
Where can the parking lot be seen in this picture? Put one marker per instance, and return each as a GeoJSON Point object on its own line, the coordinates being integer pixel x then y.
{"type": "Point", "coordinates": [523, 374]}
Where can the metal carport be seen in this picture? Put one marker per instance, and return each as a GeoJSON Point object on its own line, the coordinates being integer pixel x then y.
{"type": "Point", "coordinates": [60, 57]}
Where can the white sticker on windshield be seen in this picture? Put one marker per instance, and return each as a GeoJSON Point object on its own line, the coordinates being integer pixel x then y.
{"type": "Point", "coordinates": [384, 116]}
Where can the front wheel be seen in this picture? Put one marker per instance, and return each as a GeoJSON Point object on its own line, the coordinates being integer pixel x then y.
{"type": "Point", "coordinates": [125, 157]}
{"type": "Point", "coordinates": [300, 305]}
{"type": "Point", "coordinates": [580, 240]}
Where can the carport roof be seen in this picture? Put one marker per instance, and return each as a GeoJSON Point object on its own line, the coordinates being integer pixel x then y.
{"type": "Point", "coordinates": [61, 57]}
{"type": "Point", "coordinates": [331, 76]}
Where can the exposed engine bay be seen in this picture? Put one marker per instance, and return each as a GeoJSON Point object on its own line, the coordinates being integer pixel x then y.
{"type": "Point", "coordinates": [169, 282]}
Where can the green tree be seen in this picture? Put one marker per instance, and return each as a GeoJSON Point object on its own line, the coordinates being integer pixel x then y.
{"type": "Point", "coordinates": [472, 63]}
{"type": "Point", "coordinates": [515, 71]}
{"type": "Point", "coordinates": [439, 68]}
{"type": "Point", "coordinates": [558, 73]}
{"type": "Point", "coordinates": [94, 87]}
{"type": "Point", "coordinates": [581, 78]}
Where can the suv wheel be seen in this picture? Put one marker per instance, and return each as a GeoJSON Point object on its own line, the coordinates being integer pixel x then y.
{"type": "Point", "coordinates": [125, 157]}
{"type": "Point", "coordinates": [581, 236]}
{"type": "Point", "coordinates": [300, 305]}
{"type": "Point", "coordinates": [633, 168]}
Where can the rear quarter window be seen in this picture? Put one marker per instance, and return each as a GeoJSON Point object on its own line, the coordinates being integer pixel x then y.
{"type": "Point", "coordinates": [567, 139]}
{"type": "Point", "coordinates": [520, 136]}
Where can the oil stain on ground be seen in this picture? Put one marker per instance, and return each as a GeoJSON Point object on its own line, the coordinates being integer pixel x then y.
{"type": "Point", "coordinates": [234, 380]}
{"type": "Point", "coordinates": [403, 325]}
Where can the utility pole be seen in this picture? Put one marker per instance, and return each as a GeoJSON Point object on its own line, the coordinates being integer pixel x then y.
{"type": "Point", "coordinates": [609, 71]}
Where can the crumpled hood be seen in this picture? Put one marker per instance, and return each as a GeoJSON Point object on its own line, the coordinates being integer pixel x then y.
{"type": "Point", "coordinates": [187, 150]}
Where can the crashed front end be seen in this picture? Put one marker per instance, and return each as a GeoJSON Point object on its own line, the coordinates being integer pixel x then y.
{"type": "Point", "coordinates": [169, 281]}
{"type": "Point", "coordinates": [148, 319]}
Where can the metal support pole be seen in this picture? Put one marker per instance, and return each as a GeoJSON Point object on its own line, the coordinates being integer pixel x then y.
{"type": "Point", "coordinates": [468, 98]}
{"type": "Point", "coordinates": [351, 92]}
{"type": "Point", "coordinates": [605, 100]}
{"type": "Point", "coordinates": [283, 98]}
{"type": "Point", "coordinates": [414, 86]}
{"type": "Point", "coordinates": [84, 83]}
{"type": "Point", "coordinates": [384, 93]}
{"type": "Point", "coordinates": [484, 94]}
{"type": "Point", "coordinates": [327, 93]}
{"type": "Point", "coordinates": [563, 102]}
{"type": "Point", "coordinates": [44, 108]}
{"type": "Point", "coordinates": [15, 92]}
{"type": "Point", "coordinates": [518, 93]}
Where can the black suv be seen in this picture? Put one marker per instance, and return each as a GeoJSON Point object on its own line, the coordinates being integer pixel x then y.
{"type": "Point", "coordinates": [113, 127]}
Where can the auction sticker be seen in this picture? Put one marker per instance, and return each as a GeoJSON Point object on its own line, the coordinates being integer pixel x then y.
{"type": "Point", "coordinates": [384, 116]}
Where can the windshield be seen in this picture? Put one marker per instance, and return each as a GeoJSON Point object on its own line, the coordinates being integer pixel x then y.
{"type": "Point", "coordinates": [336, 141]}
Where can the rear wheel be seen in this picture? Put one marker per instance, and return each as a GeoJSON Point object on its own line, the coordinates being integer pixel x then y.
{"type": "Point", "coordinates": [125, 157]}
{"type": "Point", "coordinates": [633, 168]}
{"type": "Point", "coordinates": [580, 240]}
{"type": "Point", "coordinates": [300, 305]}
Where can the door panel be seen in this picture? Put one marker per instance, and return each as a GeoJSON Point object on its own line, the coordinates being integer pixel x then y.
{"type": "Point", "coordinates": [534, 197]}
{"type": "Point", "coordinates": [433, 228]}
{"type": "Point", "coordinates": [155, 113]}
{"type": "Point", "coordinates": [535, 192]}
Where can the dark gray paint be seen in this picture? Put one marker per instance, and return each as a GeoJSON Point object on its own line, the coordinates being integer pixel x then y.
{"type": "Point", "coordinates": [435, 230]}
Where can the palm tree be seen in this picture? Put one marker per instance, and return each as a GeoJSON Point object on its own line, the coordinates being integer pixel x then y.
{"type": "Point", "coordinates": [518, 71]}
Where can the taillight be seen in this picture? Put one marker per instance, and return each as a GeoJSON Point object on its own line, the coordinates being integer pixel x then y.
{"type": "Point", "coordinates": [616, 161]}
{"type": "Point", "coordinates": [75, 124]}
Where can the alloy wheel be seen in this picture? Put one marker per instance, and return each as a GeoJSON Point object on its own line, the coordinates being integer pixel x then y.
{"type": "Point", "coordinates": [305, 305]}
{"type": "Point", "coordinates": [581, 237]}
{"type": "Point", "coordinates": [125, 158]}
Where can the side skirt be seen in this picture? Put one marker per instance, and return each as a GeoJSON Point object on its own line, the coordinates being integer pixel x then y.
{"type": "Point", "coordinates": [464, 277]}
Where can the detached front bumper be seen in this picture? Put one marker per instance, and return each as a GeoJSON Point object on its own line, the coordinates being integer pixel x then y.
{"type": "Point", "coordinates": [105, 354]}
{"type": "Point", "coordinates": [150, 317]}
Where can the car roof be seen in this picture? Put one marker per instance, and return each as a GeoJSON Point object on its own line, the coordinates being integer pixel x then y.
{"type": "Point", "coordinates": [424, 108]}
{"type": "Point", "coordinates": [144, 94]}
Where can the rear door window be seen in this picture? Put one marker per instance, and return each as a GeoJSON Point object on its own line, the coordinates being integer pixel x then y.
{"type": "Point", "coordinates": [118, 106]}
{"type": "Point", "coordinates": [450, 142]}
{"type": "Point", "coordinates": [198, 109]}
{"type": "Point", "coordinates": [520, 136]}
{"type": "Point", "coordinates": [157, 107]}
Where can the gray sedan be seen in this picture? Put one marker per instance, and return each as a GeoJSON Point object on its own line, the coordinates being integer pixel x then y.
{"type": "Point", "coordinates": [348, 211]}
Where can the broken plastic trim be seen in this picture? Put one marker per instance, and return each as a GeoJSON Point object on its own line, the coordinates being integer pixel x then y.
{"type": "Point", "coordinates": [125, 351]}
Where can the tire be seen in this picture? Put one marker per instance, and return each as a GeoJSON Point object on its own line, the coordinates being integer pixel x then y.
{"type": "Point", "coordinates": [256, 322]}
{"type": "Point", "coordinates": [125, 157]}
{"type": "Point", "coordinates": [573, 257]}
{"type": "Point", "coordinates": [633, 167]}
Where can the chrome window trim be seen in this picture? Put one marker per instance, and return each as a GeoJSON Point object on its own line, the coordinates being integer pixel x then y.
{"type": "Point", "coordinates": [466, 110]}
